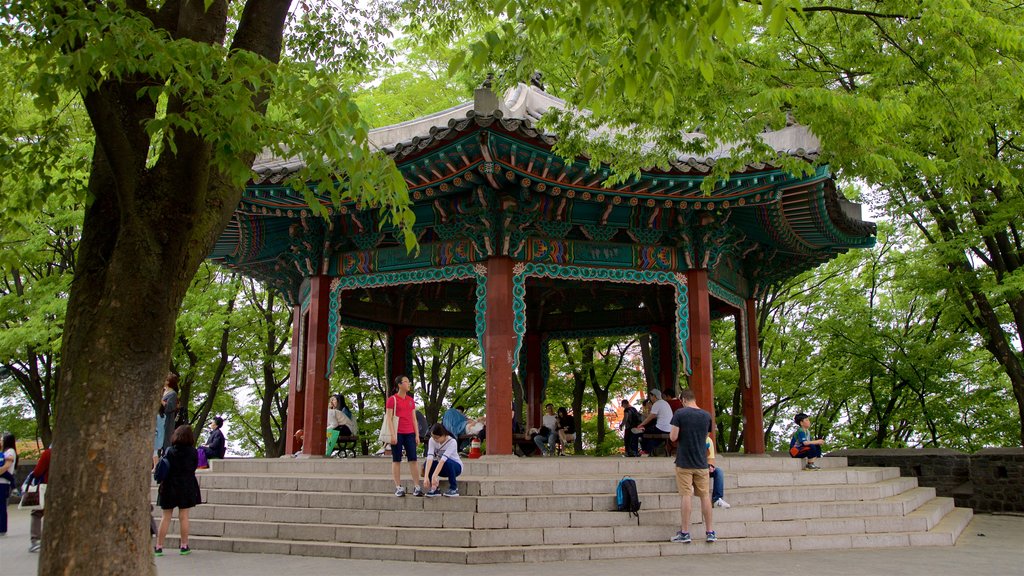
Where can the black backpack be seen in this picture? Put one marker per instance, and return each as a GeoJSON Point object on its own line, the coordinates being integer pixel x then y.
{"type": "Point", "coordinates": [626, 498]}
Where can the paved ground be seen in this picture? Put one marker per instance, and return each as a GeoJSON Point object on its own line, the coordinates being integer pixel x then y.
{"type": "Point", "coordinates": [990, 546]}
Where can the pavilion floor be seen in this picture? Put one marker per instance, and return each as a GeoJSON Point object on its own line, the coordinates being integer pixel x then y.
{"type": "Point", "coordinates": [552, 509]}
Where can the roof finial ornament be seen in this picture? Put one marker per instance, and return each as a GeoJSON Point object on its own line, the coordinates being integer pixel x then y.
{"type": "Point", "coordinates": [537, 79]}
{"type": "Point", "coordinates": [485, 101]}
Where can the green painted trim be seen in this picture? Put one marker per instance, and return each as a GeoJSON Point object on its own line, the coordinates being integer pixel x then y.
{"type": "Point", "coordinates": [524, 270]}
{"type": "Point", "coordinates": [422, 276]}
{"type": "Point", "coordinates": [722, 293]}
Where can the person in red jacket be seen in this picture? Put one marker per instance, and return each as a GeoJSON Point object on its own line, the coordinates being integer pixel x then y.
{"type": "Point", "coordinates": [40, 474]}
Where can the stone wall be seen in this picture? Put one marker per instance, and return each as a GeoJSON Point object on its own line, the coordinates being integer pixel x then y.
{"type": "Point", "coordinates": [991, 480]}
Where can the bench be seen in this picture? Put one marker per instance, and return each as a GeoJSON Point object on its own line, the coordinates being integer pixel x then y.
{"type": "Point", "coordinates": [668, 447]}
{"type": "Point", "coordinates": [342, 446]}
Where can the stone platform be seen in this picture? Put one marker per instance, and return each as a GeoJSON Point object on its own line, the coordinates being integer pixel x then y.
{"type": "Point", "coordinates": [553, 509]}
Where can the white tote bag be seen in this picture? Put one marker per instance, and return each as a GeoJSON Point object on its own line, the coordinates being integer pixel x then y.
{"type": "Point", "coordinates": [385, 434]}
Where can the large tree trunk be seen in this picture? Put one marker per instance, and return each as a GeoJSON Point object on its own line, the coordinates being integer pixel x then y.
{"type": "Point", "coordinates": [145, 233]}
{"type": "Point", "coordinates": [133, 266]}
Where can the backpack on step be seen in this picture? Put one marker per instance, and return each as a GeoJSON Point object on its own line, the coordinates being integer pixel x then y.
{"type": "Point", "coordinates": [626, 498]}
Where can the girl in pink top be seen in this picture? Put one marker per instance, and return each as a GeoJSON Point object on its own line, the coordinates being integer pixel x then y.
{"type": "Point", "coordinates": [404, 438]}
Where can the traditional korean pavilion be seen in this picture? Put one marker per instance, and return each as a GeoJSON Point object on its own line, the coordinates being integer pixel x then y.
{"type": "Point", "coordinates": [519, 248]}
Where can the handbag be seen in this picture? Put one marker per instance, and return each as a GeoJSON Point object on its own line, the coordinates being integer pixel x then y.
{"type": "Point", "coordinates": [32, 497]}
{"type": "Point", "coordinates": [385, 435]}
{"type": "Point", "coordinates": [203, 463]}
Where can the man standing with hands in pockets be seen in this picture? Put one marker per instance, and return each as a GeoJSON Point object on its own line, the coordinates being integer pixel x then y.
{"type": "Point", "coordinates": [690, 429]}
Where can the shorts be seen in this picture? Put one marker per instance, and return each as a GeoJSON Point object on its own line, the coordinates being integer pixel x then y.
{"type": "Point", "coordinates": [406, 443]}
{"type": "Point", "coordinates": [695, 478]}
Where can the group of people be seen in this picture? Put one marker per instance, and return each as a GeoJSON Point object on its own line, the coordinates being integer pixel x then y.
{"type": "Point", "coordinates": [175, 461]}
{"type": "Point", "coordinates": [176, 457]}
{"type": "Point", "coordinates": [557, 430]}
{"type": "Point", "coordinates": [643, 433]}
{"type": "Point", "coordinates": [442, 456]}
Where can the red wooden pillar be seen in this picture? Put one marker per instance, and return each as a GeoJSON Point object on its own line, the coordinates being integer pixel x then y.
{"type": "Point", "coordinates": [701, 379]}
{"type": "Point", "coordinates": [296, 388]}
{"type": "Point", "coordinates": [753, 413]}
{"type": "Point", "coordinates": [534, 379]}
{"type": "Point", "coordinates": [398, 340]}
{"type": "Point", "coordinates": [666, 348]}
{"type": "Point", "coordinates": [499, 346]}
{"type": "Point", "coordinates": [317, 351]}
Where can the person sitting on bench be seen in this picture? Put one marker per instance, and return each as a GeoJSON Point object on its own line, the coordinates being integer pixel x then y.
{"type": "Point", "coordinates": [339, 425]}
{"type": "Point", "coordinates": [215, 447]}
{"type": "Point", "coordinates": [458, 424]}
{"type": "Point", "coordinates": [661, 415]}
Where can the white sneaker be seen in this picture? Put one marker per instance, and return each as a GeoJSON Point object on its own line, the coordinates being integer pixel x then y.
{"type": "Point", "coordinates": [720, 503]}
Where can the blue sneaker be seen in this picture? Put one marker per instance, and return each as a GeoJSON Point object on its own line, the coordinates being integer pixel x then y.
{"type": "Point", "coordinates": [433, 493]}
{"type": "Point", "coordinates": [452, 493]}
{"type": "Point", "coordinates": [683, 537]}
{"type": "Point", "coordinates": [711, 536]}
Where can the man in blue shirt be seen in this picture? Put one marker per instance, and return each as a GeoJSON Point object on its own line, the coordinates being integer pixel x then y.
{"type": "Point", "coordinates": [690, 429]}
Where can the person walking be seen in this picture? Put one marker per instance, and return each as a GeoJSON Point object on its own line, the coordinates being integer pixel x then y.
{"type": "Point", "coordinates": [8, 464]}
{"type": "Point", "coordinates": [406, 437]}
{"type": "Point", "coordinates": [40, 476]}
{"type": "Point", "coordinates": [631, 418]}
{"type": "Point", "coordinates": [179, 489]}
{"type": "Point", "coordinates": [690, 428]}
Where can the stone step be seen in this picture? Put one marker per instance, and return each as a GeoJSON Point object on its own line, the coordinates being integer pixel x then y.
{"type": "Point", "coordinates": [565, 528]}
{"type": "Point", "coordinates": [651, 499]}
{"type": "Point", "coordinates": [510, 466]}
{"type": "Point", "coordinates": [539, 485]}
{"type": "Point", "coordinates": [558, 509]}
{"type": "Point", "coordinates": [576, 511]}
{"type": "Point", "coordinates": [944, 533]}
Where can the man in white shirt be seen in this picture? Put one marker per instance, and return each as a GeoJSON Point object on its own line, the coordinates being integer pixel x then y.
{"type": "Point", "coordinates": [661, 416]}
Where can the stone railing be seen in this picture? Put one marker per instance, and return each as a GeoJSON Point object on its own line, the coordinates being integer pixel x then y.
{"type": "Point", "coordinates": [990, 480]}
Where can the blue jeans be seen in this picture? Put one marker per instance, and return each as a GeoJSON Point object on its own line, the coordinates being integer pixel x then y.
{"type": "Point", "coordinates": [551, 440]}
{"type": "Point", "coordinates": [717, 484]}
{"type": "Point", "coordinates": [809, 451]}
{"type": "Point", "coordinates": [449, 469]}
{"type": "Point", "coordinates": [5, 493]}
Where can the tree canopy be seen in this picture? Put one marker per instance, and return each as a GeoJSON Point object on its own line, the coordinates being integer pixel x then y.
{"type": "Point", "coordinates": [129, 128]}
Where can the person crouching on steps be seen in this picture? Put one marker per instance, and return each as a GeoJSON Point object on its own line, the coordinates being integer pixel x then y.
{"type": "Point", "coordinates": [442, 458]}
{"type": "Point", "coordinates": [406, 438]}
{"type": "Point", "coordinates": [179, 489]}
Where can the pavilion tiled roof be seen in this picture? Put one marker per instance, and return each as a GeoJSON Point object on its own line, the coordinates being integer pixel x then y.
{"type": "Point", "coordinates": [518, 112]}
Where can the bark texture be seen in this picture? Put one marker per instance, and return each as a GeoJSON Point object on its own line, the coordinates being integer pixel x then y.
{"type": "Point", "coordinates": [145, 233]}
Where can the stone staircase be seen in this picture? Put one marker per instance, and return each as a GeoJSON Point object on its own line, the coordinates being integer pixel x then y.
{"type": "Point", "coordinates": [551, 509]}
